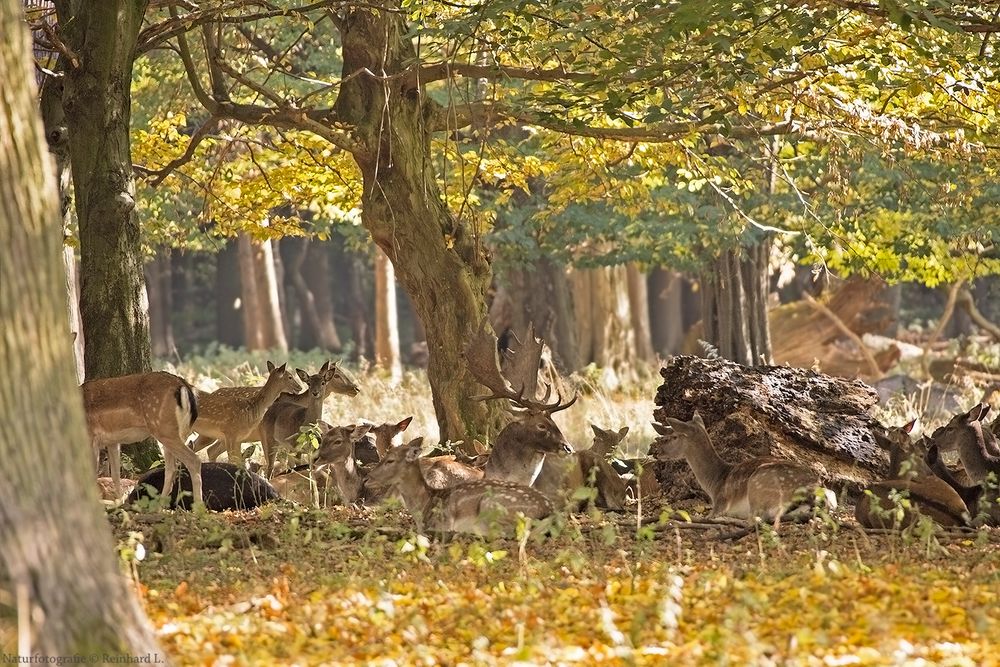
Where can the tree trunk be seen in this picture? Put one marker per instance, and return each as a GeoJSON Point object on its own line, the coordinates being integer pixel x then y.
{"type": "Point", "coordinates": [666, 306]}
{"type": "Point", "coordinates": [358, 305]}
{"type": "Point", "coordinates": [268, 299]}
{"type": "Point", "coordinates": [254, 331]}
{"type": "Point", "coordinates": [444, 267]}
{"type": "Point", "coordinates": [229, 305]}
{"type": "Point", "coordinates": [159, 284]}
{"type": "Point", "coordinates": [312, 287]}
{"type": "Point", "coordinates": [55, 542]}
{"type": "Point", "coordinates": [319, 277]}
{"type": "Point", "coordinates": [604, 315]}
{"type": "Point", "coordinates": [734, 304]}
{"type": "Point", "coordinates": [97, 103]}
{"type": "Point", "coordinates": [638, 297]}
{"type": "Point", "coordinates": [386, 318]}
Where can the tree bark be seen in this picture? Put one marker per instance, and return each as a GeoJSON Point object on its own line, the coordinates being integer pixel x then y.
{"type": "Point", "coordinates": [228, 295]}
{"type": "Point", "coordinates": [666, 306]}
{"type": "Point", "coordinates": [734, 304]}
{"type": "Point", "coordinates": [97, 104]}
{"type": "Point", "coordinates": [444, 266]}
{"type": "Point", "coordinates": [308, 271]}
{"type": "Point", "coordinates": [638, 296]}
{"type": "Point", "coordinates": [55, 542]}
{"type": "Point", "coordinates": [269, 299]}
{"type": "Point", "coordinates": [253, 320]}
{"type": "Point", "coordinates": [601, 299]}
{"type": "Point", "coordinates": [386, 318]}
{"type": "Point", "coordinates": [159, 284]}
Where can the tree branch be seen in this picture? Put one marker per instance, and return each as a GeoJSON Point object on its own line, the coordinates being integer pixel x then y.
{"type": "Point", "coordinates": [156, 177]}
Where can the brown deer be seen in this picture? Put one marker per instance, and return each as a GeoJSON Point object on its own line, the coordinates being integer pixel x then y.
{"type": "Point", "coordinates": [131, 408]}
{"type": "Point", "coordinates": [481, 507]}
{"type": "Point", "coordinates": [333, 467]}
{"type": "Point", "coordinates": [231, 414]}
{"type": "Point", "coordinates": [283, 420]}
{"type": "Point", "coordinates": [370, 450]}
{"type": "Point", "coordinates": [981, 500]}
{"type": "Point", "coordinates": [520, 448]}
{"type": "Point", "coordinates": [563, 474]}
{"type": "Point", "coordinates": [762, 487]}
{"type": "Point", "coordinates": [338, 381]}
{"type": "Point", "coordinates": [966, 434]}
{"type": "Point", "coordinates": [926, 494]}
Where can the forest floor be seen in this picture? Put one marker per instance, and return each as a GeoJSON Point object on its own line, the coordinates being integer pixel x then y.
{"type": "Point", "coordinates": [289, 585]}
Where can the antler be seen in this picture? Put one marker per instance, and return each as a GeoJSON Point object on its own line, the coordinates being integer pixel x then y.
{"type": "Point", "coordinates": [484, 364]}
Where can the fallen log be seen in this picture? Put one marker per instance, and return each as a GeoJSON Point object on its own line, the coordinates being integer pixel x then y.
{"type": "Point", "coordinates": [798, 414]}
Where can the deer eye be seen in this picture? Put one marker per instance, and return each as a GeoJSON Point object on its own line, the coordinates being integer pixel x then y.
{"type": "Point", "coordinates": [541, 427]}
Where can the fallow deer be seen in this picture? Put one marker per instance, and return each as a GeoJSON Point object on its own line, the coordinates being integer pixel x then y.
{"type": "Point", "coordinates": [966, 434]}
{"type": "Point", "coordinates": [378, 441]}
{"type": "Point", "coordinates": [333, 467]}
{"type": "Point", "coordinates": [911, 490]}
{"type": "Point", "coordinates": [283, 420]}
{"type": "Point", "coordinates": [226, 487]}
{"type": "Point", "coordinates": [520, 448]}
{"type": "Point", "coordinates": [231, 414]}
{"type": "Point", "coordinates": [480, 507]}
{"type": "Point", "coordinates": [338, 381]}
{"type": "Point", "coordinates": [134, 407]}
{"type": "Point", "coordinates": [764, 487]}
{"type": "Point", "coordinates": [563, 474]}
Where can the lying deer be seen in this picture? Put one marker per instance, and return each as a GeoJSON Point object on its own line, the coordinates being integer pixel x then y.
{"type": "Point", "coordinates": [481, 507]}
{"type": "Point", "coordinates": [562, 475]}
{"type": "Point", "coordinates": [226, 487]}
{"type": "Point", "coordinates": [520, 448]}
{"type": "Point", "coordinates": [966, 434]}
{"type": "Point", "coordinates": [370, 450]}
{"type": "Point", "coordinates": [231, 414]}
{"type": "Point", "coordinates": [762, 487]}
{"type": "Point", "coordinates": [333, 467]}
{"type": "Point", "coordinates": [131, 408]}
{"type": "Point", "coordinates": [910, 478]}
{"type": "Point", "coordinates": [337, 381]}
{"type": "Point", "coordinates": [980, 500]}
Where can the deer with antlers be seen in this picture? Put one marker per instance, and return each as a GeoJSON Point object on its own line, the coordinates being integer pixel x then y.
{"type": "Point", "coordinates": [520, 448]}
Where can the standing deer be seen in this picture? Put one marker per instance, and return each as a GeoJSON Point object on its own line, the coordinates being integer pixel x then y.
{"type": "Point", "coordinates": [762, 487]}
{"type": "Point", "coordinates": [135, 407]}
{"type": "Point", "coordinates": [911, 478]}
{"type": "Point", "coordinates": [481, 507]}
{"type": "Point", "coordinates": [338, 381]}
{"type": "Point", "coordinates": [520, 448]}
{"type": "Point", "coordinates": [283, 420]}
{"type": "Point", "coordinates": [231, 414]}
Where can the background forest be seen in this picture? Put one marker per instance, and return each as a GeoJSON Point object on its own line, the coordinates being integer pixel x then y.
{"type": "Point", "coordinates": [811, 184]}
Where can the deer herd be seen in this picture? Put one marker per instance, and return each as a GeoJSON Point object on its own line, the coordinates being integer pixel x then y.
{"type": "Point", "coordinates": [531, 470]}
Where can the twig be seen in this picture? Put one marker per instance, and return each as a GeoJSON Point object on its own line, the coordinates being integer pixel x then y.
{"type": "Point", "coordinates": [967, 304]}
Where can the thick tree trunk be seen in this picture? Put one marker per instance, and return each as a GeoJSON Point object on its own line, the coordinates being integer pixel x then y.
{"type": "Point", "coordinates": [97, 103]}
{"type": "Point", "coordinates": [312, 288]}
{"type": "Point", "coordinates": [734, 304]}
{"type": "Point", "coordinates": [229, 305]}
{"type": "Point", "coordinates": [319, 277]}
{"type": "Point", "coordinates": [386, 318]}
{"type": "Point", "coordinates": [444, 267]}
{"type": "Point", "coordinates": [604, 316]}
{"type": "Point", "coordinates": [159, 285]}
{"type": "Point", "coordinates": [55, 542]}
{"type": "Point", "coordinates": [638, 297]}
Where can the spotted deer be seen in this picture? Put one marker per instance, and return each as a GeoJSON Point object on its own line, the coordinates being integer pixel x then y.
{"type": "Point", "coordinates": [764, 487]}
{"type": "Point", "coordinates": [926, 494]}
{"type": "Point", "coordinates": [333, 469]}
{"type": "Point", "coordinates": [519, 449]}
{"type": "Point", "coordinates": [135, 407]}
{"type": "Point", "coordinates": [481, 507]}
{"type": "Point", "coordinates": [231, 414]}
{"type": "Point", "coordinates": [379, 441]}
{"type": "Point", "coordinates": [338, 381]}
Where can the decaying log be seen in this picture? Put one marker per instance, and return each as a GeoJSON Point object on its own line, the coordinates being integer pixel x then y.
{"type": "Point", "coordinates": [792, 413]}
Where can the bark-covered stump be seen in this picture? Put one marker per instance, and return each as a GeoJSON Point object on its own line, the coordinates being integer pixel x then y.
{"type": "Point", "coordinates": [791, 413]}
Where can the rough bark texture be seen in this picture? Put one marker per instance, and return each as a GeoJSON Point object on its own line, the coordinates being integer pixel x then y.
{"type": "Point", "coordinates": [320, 280]}
{"type": "Point", "coordinates": [159, 285]}
{"type": "Point", "coordinates": [444, 267]}
{"type": "Point", "coordinates": [56, 547]}
{"type": "Point", "coordinates": [734, 304]}
{"type": "Point", "coordinates": [791, 413]}
{"type": "Point", "coordinates": [604, 318]}
{"type": "Point", "coordinates": [386, 318]}
{"type": "Point", "coordinates": [97, 104]}
{"type": "Point", "coordinates": [638, 296]}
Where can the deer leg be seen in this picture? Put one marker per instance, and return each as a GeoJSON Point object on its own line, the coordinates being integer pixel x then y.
{"type": "Point", "coordinates": [169, 471]}
{"type": "Point", "coordinates": [216, 449]}
{"type": "Point", "coordinates": [203, 441]}
{"type": "Point", "coordinates": [179, 451]}
{"type": "Point", "coordinates": [115, 464]}
{"type": "Point", "coordinates": [234, 450]}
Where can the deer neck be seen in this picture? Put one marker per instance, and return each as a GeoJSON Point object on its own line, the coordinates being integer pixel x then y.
{"type": "Point", "coordinates": [266, 397]}
{"type": "Point", "coordinates": [512, 461]}
{"type": "Point", "coordinates": [345, 474]}
{"type": "Point", "coordinates": [976, 459]}
{"type": "Point", "coordinates": [708, 467]}
{"type": "Point", "coordinates": [417, 495]}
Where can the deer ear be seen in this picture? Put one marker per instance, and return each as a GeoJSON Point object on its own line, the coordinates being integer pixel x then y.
{"type": "Point", "coordinates": [696, 418]}
{"type": "Point", "coordinates": [404, 424]}
{"type": "Point", "coordinates": [932, 455]}
{"type": "Point", "coordinates": [597, 431]}
{"type": "Point", "coordinates": [663, 429]}
{"type": "Point", "coordinates": [414, 448]}
{"type": "Point", "coordinates": [623, 431]}
{"type": "Point", "coordinates": [908, 428]}
{"type": "Point", "coordinates": [360, 430]}
{"type": "Point", "coordinates": [302, 374]}
{"type": "Point", "coordinates": [270, 366]}
{"type": "Point", "coordinates": [325, 367]}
